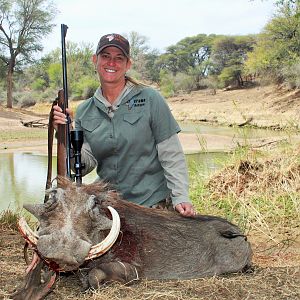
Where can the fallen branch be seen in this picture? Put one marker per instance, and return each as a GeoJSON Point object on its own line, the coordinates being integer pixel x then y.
{"type": "Point", "coordinates": [40, 123]}
{"type": "Point", "coordinates": [269, 143]}
{"type": "Point", "coordinates": [248, 121]}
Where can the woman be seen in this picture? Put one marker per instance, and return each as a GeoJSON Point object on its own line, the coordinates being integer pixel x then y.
{"type": "Point", "coordinates": [130, 134]}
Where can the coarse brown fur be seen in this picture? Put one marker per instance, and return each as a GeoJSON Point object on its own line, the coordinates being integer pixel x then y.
{"type": "Point", "coordinates": [152, 244]}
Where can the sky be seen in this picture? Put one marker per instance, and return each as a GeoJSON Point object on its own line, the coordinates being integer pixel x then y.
{"type": "Point", "coordinates": [163, 22]}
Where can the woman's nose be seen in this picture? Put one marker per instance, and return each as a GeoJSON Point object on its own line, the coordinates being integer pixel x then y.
{"type": "Point", "coordinates": [111, 62]}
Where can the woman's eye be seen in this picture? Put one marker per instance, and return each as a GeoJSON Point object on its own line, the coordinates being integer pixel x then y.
{"type": "Point", "coordinates": [104, 56]}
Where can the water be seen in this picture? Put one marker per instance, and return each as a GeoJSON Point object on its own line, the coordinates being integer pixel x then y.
{"type": "Point", "coordinates": [24, 175]}
{"type": "Point", "coordinates": [23, 178]}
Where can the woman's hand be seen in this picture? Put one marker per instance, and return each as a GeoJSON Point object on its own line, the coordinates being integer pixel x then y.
{"type": "Point", "coordinates": [59, 118]}
{"type": "Point", "coordinates": [186, 209]}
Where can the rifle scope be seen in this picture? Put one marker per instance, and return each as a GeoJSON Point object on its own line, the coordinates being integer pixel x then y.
{"type": "Point", "coordinates": [77, 142]}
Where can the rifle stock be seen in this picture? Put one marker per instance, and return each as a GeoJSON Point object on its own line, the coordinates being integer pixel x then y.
{"type": "Point", "coordinates": [61, 142]}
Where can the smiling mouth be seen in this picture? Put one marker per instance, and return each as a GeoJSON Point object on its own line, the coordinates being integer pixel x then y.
{"type": "Point", "coordinates": [110, 71]}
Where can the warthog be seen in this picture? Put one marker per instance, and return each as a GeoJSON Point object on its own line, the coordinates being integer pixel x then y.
{"type": "Point", "coordinates": [141, 243]}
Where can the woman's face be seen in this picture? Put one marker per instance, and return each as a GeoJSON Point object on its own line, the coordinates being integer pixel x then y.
{"type": "Point", "coordinates": [111, 65]}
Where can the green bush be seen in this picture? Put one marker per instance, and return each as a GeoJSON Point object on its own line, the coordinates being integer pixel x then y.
{"type": "Point", "coordinates": [228, 76]}
{"type": "Point", "coordinates": [55, 75]}
{"type": "Point", "coordinates": [39, 84]}
{"type": "Point", "coordinates": [184, 82]}
{"type": "Point", "coordinates": [292, 75]}
{"type": "Point", "coordinates": [167, 87]}
{"type": "Point", "coordinates": [85, 88]}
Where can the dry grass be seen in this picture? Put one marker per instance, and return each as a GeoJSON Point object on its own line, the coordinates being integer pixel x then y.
{"type": "Point", "coordinates": [278, 283]}
{"type": "Point", "coordinates": [9, 219]}
{"type": "Point", "coordinates": [44, 108]}
{"type": "Point", "coordinates": [256, 191]}
{"type": "Point", "coordinates": [266, 282]}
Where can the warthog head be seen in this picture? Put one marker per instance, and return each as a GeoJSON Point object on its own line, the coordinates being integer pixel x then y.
{"type": "Point", "coordinates": [69, 227]}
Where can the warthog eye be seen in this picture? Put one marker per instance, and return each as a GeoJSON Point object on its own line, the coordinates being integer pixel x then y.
{"type": "Point", "coordinates": [92, 206]}
{"type": "Point", "coordinates": [97, 201]}
{"type": "Point", "coordinates": [52, 201]}
{"type": "Point", "coordinates": [51, 205]}
{"type": "Point", "coordinates": [53, 196]}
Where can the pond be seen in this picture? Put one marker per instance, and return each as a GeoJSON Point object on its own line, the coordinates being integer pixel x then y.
{"type": "Point", "coordinates": [24, 175]}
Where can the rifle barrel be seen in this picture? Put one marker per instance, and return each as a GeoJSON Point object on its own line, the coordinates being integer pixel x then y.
{"type": "Point", "coordinates": [64, 29]}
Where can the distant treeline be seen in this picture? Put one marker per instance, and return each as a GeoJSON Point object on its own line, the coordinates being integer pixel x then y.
{"type": "Point", "coordinates": [196, 62]}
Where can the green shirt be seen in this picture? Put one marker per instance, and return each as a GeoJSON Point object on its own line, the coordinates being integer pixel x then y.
{"type": "Point", "coordinates": [125, 145]}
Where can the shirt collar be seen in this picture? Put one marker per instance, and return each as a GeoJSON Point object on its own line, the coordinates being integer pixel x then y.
{"type": "Point", "coordinates": [99, 96]}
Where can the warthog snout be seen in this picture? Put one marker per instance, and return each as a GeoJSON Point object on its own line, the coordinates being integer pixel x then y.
{"type": "Point", "coordinates": [69, 252]}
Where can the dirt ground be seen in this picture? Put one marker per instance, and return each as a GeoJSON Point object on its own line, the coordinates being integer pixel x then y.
{"type": "Point", "coordinates": [276, 276]}
{"type": "Point", "coordinates": [262, 106]}
{"type": "Point", "coordinates": [276, 259]}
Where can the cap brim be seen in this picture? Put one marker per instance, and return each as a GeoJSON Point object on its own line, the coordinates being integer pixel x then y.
{"type": "Point", "coordinates": [112, 45]}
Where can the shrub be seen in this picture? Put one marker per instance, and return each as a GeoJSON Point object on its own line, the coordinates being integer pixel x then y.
{"type": "Point", "coordinates": [228, 76]}
{"type": "Point", "coordinates": [39, 84]}
{"type": "Point", "coordinates": [167, 87]}
{"type": "Point", "coordinates": [291, 75]}
{"type": "Point", "coordinates": [184, 82]}
{"type": "Point", "coordinates": [27, 103]}
{"type": "Point", "coordinates": [85, 88]}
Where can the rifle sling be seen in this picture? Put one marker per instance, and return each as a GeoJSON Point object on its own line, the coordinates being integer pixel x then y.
{"type": "Point", "coordinates": [50, 149]}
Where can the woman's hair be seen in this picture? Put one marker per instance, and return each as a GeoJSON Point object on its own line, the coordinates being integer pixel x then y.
{"type": "Point", "coordinates": [134, 81]}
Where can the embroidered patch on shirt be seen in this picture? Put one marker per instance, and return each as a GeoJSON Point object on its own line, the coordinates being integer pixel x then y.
{"type": "Point", "coordinates": [136, 102]}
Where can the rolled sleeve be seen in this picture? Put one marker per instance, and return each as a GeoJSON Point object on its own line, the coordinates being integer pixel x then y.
{"type": "Point", "coordinates": [172, 159]}
{"type": "Point", "coordinates": [163, 123]}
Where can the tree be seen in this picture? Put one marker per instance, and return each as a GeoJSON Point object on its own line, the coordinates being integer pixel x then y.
{"type": "Point", "coordinates": [23, 25]}
{"type": "Point", "coordinates": [278, 47]}
{"type": "Point", "coordinates": [138, 44]}
{"type": "Point", "coordinates": [228, 57]}
{"type": "Point", "coordinates": [138, 52]}
{"type": "Point", "coordinates": [189, 53]}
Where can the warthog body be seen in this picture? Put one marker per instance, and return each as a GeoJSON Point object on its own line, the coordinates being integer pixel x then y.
{"type": "Point", "coordinates": [152, 243]}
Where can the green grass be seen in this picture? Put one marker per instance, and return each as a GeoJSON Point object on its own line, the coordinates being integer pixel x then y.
{"type": "Point", "coordinates": [20, 135]}
{"type": "Point", "coordinates": [256, 190]}
{"type": "Point", "coordinates": [9, 219]}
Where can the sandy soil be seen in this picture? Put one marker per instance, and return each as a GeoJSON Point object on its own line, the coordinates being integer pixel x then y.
{"type": "Point", "coordinates": [267, 106]}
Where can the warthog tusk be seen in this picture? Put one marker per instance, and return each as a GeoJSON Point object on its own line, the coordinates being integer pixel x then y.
{"type": "Point", "coordinates": [107, 243]}
{"type": "Point", "coordinates": [27, 232]}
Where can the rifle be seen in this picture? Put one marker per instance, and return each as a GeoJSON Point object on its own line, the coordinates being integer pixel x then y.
{"type": "Point", "coordinates": [63, 131]}
{"type": "Point", "coordinates": [66, 138]}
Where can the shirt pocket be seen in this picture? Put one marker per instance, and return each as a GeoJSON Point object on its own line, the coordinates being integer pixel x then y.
{"type": "Point", "coordinates": [132, 118]}
{"type": "Point", "coordinates": [90, 125]}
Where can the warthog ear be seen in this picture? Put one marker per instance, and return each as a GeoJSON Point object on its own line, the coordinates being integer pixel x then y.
{"type": "Point", "coordinates": [36, 209]}
{"type": "Point", "coordinates": [97, 215]}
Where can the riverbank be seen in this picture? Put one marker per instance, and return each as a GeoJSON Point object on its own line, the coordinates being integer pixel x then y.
{"type": "Point", "coordinates": [262, 107]}
{"type": "Point", "coordinates": [259, 106]}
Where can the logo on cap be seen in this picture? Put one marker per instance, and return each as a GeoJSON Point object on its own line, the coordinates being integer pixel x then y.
{"type": "Point", "coordinates": [110, 37]}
